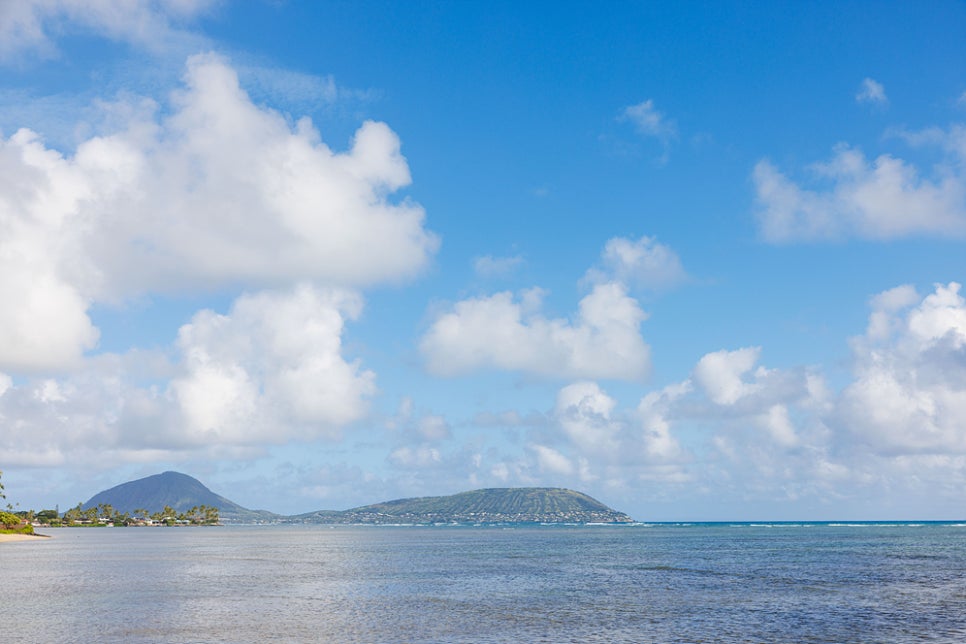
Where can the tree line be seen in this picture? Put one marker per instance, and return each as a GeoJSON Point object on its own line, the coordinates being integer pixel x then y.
{"type": "Point", "coordinates": [106, 514]}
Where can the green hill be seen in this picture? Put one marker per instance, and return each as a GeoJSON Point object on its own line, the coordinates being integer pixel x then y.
{"type": "Point", "coordinates": [177, 490]}
{"type": "Point", "coordinates": [494, 505]}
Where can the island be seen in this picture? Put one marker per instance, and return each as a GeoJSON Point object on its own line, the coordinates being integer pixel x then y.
{"type": "Point", "coordinates": [494, 505]}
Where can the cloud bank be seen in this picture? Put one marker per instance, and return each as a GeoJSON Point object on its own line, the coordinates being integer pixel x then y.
{"type": "Point", "coordinates": [269, 371]}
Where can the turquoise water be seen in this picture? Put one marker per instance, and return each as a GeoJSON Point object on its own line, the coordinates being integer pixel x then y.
{"type": "Point", "coordinates": [657, 583]}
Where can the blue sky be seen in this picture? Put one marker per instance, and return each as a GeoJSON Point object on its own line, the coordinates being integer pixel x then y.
{"type": "Point", "coordinates": [698, 260]}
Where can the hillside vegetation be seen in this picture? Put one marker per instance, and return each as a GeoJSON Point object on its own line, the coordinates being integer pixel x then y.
{"type": "Point", "coordinates": [494, 505]}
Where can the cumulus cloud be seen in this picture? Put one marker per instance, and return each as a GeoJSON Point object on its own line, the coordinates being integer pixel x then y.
{"type": "Point", "coordinates": [720, 374]}
{"type": "Point", "coordinates": [873, 92]}
{"type": "Point", "coordinates": [644, 263]}
{"type": "Point", "coordinates": [504, 332]}
{"type": "Point", "coordinates": [233, 192]}
{"type": "Point", "coordinates": [885, 198]}
{"type": "Point", "coordinates": [909, 393]}
{"type": "Point", "coordinates": [596, 442]}
{"type": "Point", "coordinates": [584, 413]}
{"type": "Point", "coordinates": [659, 444]}
{"type": "Point", "coordinates": [270, 370]}
{"type": "Point", "coordinates": [882, 320]}
{"type": "Point", "coordinates": [30, 26]}
{"type": "Point", "coordinates": [39, 270]}
{"type": "Point", "coordinates": [739, 429]}
{"type": "Point", "coordinates": [777, 422]}
{"type": "Point", "coordinates": [217, 192]}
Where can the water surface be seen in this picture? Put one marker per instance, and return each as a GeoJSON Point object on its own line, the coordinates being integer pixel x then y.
{"type": "Point", "coordinates": [657, 583]}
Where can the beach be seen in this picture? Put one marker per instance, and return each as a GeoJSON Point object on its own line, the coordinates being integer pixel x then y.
{"type": "Point", "coordinates": [22, 537]}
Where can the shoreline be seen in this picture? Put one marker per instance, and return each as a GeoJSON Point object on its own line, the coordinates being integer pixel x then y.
{"type": "Point", "coordinates": [22, 537]}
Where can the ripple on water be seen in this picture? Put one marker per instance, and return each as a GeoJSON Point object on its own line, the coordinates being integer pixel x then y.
{"type": "Point", "coordinates": [652, 583]}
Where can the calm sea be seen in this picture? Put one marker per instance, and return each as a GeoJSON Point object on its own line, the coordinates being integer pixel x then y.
{"type": "Point", "coordinates": [646, 583]}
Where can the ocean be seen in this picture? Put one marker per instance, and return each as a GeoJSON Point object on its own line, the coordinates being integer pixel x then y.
{"type": "Point", "coordinates": [773, 582]}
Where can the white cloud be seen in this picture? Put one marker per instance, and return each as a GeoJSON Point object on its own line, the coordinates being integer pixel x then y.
{"type": "Point", "coordinates": [248, 198]}
{"type": "Point", "coordinates": [271, 370]}
{"type": "Point", "coordinates": [218, 193]}
{"type": "Point", "coordinates": [31, 25]}
{"type": "Point", "coordinates": [416, 457]}
{"type": "Point", "coordinates": [599, 443]}
{"type": "Point", "coordinates": [882, 199]}
{"type": "Point", "coordinates": [44, 322]}
{"type": "Point", "coordinates": [643, 263]}
{"type": "Point", "coordinates": [499, 332]}
{"type": "Point", "coordinates": [778, 424]}
{"type": "Point", "coordinates": [873, 92]}
{"type": "Point", "coordinates": [909, 394]}
{"type": "Point", "coordinates": [882, 321]}
{"type": "Point", "coordinates": [433, 428]}
{"type": "Point", "coordinates": [489, 266]}
{"type": "Point", "coordinates": [659, 445]}
{"type": "Point", "coordinates": [737, 429]}
{"type": "Point", "coordinates": [584, 413]}
{"type": "Point", "coordinates": [551, 461]}
{"type": "Point", "coordinates": [649, 121]}
{"type": "Point", "coordinates": [720, 374]}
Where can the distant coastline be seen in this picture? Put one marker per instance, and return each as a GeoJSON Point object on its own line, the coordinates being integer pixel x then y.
{"type": "Point", "coordinates": [178, 492]}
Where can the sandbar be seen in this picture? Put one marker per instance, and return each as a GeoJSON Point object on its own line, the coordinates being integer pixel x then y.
{"type": "Point", "coordinates": [22, 537]}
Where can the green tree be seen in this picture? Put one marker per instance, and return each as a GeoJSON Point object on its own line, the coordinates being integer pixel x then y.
{"type": "Point", "coordinates": [74, 515]}
{"type": "Point", "coordinates": [47, 516]}
{"type": "Point", "coordinates": [105, 511]}
{"type": "Point", "coordinates": [2, 495]}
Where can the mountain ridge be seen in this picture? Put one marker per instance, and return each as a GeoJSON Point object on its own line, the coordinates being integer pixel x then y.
{"type": "Point", "coordinates": [180, 491]}
{"type": "Point", "coordinates": [487, 505]}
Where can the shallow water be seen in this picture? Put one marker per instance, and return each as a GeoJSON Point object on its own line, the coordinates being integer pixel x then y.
{"type": "Point", "coordinates": [660, 583]}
